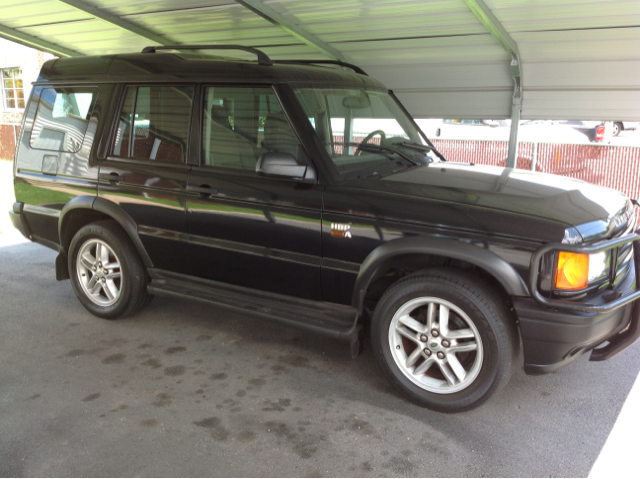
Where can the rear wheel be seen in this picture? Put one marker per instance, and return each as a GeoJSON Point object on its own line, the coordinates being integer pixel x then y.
{"type": "Point", "coordinates": [106, 271]}
{"type": "Point", "coordinates": [444, 340]}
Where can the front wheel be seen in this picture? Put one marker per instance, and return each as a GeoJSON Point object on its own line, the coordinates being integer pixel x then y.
{"type": "Point", "coordinates": [444, 340]}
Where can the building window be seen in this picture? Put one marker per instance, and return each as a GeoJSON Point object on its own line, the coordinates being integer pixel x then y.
{"type": "Point", "coordinates": [12, 88]}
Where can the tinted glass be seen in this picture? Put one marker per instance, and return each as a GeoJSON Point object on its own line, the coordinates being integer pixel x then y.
{"type": "Point", "coordinates": [62, 118]}
{"type": "Point", "coordinates": [154, 123]}
{"type": "Point", "coordinates": [242, 123]}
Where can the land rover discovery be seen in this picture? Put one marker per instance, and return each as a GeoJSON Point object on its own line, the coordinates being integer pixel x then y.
{"type": "Point", "coordinates": [303, 192]}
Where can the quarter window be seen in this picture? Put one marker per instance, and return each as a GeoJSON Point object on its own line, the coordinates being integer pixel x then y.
{"type": "Point", "coordinates": [242, 123]}
{"type": "Point", "coordinates": [12, 88]}
{"type": "Point", "coordinates": [154, 123]}
{"type": "Point", "coordinates": [62, 119]}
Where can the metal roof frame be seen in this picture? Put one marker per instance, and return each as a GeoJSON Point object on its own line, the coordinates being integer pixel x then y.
{"type": "Point", "coordinates": [495, 28]}
{"type": "Point", "coordinates": [443, 59]}
{"type": "Point", "coordinates": [279, 20]}
{"type": "Point", "coordinates": [115, 20]}
{"type": "Point", "coordinates": [35, 42]}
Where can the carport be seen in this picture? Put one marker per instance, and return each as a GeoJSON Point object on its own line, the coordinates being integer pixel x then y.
{"type": "Point", "coordinates": [189, 389]}
{"type": "Point", "coordinates": [540, 59]}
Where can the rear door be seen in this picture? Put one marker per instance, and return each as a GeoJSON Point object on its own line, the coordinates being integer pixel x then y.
{"type": "Point", "coordinates": [244, 229]}
{"type": "Point", "coordinates": [146, 171]}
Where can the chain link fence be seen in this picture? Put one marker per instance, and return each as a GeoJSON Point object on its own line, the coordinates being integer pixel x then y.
{"type": "Point", "coordinates": [616, 167]}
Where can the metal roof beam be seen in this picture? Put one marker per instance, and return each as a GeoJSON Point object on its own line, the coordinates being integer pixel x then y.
{"type": "Point", "coordinates": [279, 20]}
{"type": "Point", "coordinates": [493, 25]}
{"type": "Point", "coordinates": [495, 28]}
{"type": "Point", "coordinates": [35, 42]}
{"type": "Point", "coordinates": [115, 20]}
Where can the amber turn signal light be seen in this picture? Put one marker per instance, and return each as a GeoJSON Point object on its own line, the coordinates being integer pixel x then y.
{"type": "Point", "coordinates": [572, 271]}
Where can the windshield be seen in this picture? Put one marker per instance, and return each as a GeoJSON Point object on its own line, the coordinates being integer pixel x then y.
{"type": "Point", "coordinates": [354, 123]}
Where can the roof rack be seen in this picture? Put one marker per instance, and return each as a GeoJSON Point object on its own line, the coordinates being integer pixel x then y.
{"type": "Point", "coordinates": [263, 58]}
{"type": "Point", "coordinates": [355, 68]}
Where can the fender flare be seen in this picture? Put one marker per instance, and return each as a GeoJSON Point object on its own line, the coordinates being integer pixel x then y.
{"type": "Point", "coordinates": [506, 275]}
{"type": "Point", "coordinates": [110, 209]}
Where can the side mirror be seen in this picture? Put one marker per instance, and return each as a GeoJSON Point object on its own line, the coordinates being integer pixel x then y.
{"type": "Point", "coordinates": [284, 165]}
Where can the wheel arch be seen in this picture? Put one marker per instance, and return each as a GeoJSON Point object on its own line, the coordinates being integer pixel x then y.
{"type": "Point", "coordinates": [381, 260]}
{"type": "Point", "coordinates": [83, 210]}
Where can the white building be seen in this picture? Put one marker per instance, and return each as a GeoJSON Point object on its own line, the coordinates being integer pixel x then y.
{"type": "Point", "coordinates": [19, 68]}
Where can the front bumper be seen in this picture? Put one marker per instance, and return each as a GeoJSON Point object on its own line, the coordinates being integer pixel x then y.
{"type": "Point", "coordinates": [552, 339]}
{"type": "Point", "coordinates": [557, 332]}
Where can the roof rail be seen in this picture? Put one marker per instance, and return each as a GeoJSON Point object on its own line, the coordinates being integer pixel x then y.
{"type": "Point", "coordinates": [263, 59]}
{"type": "Point", "coordinates": [355, 68]}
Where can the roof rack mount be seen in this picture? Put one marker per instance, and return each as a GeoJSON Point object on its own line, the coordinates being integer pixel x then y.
{"type": "Point", "coordinates": [355, 68]}
{"type": "Point", "coordinates": [263, 58]}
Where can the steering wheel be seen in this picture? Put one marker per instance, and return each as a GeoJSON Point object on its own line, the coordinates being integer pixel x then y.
{"type": "Point", "coordinates": [368, 137]}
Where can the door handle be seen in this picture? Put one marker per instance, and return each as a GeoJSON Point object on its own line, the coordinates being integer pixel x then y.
{"type": "Point", "coordinates": [114, 178]}
{"type": "Point", "coordinates": [203, 190]}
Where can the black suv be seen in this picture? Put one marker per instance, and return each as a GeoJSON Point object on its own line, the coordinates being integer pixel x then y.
{"type": "Point", "coordinates": [303, 192]}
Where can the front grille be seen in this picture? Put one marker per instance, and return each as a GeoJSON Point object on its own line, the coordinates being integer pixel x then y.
{"type": "Point", "coordinates": [624, 253]}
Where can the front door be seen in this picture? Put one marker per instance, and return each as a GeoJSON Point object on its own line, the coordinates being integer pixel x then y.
{"type": "Point", "coordinates": [245, 229]}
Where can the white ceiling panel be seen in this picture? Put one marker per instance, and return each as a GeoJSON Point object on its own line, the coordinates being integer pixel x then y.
{"type": "Point", "coordinates": [579, 57]}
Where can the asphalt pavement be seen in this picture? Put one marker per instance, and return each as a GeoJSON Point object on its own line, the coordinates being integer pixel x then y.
{"type": "Point", "coordinates": [191, 389]}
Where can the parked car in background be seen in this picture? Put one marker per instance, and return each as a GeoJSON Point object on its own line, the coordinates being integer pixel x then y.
{"type": "Point", "coordinates": [496, 130]}
{"type": "Point", "coordinates": [595, 131]}
{"type": "Point", "coordinates": [620, 126]}
{"type": "Point", "coordinates": [546, 131]}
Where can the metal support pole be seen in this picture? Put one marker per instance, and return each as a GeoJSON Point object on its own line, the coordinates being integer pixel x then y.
{"type": "Point", "coordinates": [516, 106]}
{"type": "Point", "coordinates": [495, 28]}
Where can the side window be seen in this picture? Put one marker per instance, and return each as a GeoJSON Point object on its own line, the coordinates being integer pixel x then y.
{"type": "Point", "coordinates": [62, 119]}
{"type": "Point", "coordinates": [241, 123]}
{"type": "Point", "coordinates": [154, 123]}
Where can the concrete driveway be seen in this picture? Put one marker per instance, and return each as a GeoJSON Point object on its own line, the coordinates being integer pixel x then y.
{"type": "Point", "coordinates": [191, 389]}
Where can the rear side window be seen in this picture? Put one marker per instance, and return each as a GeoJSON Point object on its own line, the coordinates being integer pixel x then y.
{"type": "Point", "coordinates": [154, 123]}
{"type": "Point", "coordinates": [63, 117]}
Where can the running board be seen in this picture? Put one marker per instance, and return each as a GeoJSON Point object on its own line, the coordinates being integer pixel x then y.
{"type": "Point", "coordinates": [329, 319]}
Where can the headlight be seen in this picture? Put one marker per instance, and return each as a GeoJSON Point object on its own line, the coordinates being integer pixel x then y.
{"type": "Point", "coordinates": [598, 266]}
{"type": "Point", "coordinates": [575, 271]}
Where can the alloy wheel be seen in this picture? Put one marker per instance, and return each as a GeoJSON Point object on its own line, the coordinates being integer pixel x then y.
{"type": "Point", "coordinates": [99, 272]}
{"type": "Point", "coordinates": [436, 345]}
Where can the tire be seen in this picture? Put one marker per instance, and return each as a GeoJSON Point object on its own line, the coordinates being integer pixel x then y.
{"type": "Point", "coordinates": [617, 128]}
{"type": "Point", "coordinates": [479, 335]}
{"type": "Point", "coordinates": [121, 286]}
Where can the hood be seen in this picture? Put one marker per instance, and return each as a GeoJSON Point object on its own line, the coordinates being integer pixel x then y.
{"type": "Point", "coordinates": [509, 193]}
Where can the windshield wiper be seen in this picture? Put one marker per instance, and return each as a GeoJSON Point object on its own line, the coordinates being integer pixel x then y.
{"type": "Point", "coordinates": [419, 147]}
{"type": "Point", "coordinates": [415, 146]}
{"type": "Point", "coordinates": [374, 147]}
